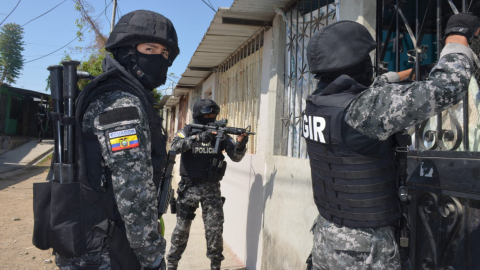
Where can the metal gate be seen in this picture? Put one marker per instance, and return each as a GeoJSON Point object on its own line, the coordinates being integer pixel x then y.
{"type": "Point", "coordinates": [444, 165]}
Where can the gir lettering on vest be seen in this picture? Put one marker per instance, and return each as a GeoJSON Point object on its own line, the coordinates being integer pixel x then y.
{"type": "Point", "coordinates": [315, 128]}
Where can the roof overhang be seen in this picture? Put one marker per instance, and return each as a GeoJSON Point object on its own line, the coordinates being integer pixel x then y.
{"type": "Point", "coordinates": [229, 30]}
{"type": "Point", "coordinates": [25, 92]}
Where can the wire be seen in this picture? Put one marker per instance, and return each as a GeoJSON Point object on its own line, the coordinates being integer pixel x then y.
{"type": "Point", "coordinates": [209, 6]}
{"type": "Point", "coordinates": [106, 11]}
{"type": "Point", "coordinates": [68, 42]}
{"type": "Point", "coordinates": [11, 12]}
{"type": "Point", "coordinates": [44, 13]}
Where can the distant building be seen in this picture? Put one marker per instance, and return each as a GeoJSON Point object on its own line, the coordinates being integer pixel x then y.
{"type": "Point", "coordinates": [17, 110]}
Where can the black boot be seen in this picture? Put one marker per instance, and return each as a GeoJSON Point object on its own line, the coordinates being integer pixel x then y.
{"type": "Point", "coordinates": [215, 265]}
{"type": "Point", "coordinates": [172, 265]}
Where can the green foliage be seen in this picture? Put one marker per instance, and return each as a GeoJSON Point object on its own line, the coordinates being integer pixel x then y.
{"type": "Point", "coordinates": [93, 66]}
{"type": "Point", "coordinates": [11, 48]}
{"type": "Point", "coordinates": [157, 96]}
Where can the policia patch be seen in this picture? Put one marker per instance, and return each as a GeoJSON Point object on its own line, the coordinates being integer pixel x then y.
{"type": "Point", "coordinates": [316, 128]}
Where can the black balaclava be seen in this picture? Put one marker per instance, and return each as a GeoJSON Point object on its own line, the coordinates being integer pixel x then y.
{"type": "Point", "coordinates": [204, 107]}
{"type": "Point", "coordinates": [149, 69]}
{"type": "Point", "coordinates": [361, 73]}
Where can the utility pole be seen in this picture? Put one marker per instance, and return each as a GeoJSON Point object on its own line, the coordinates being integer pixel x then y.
{"type": "Point", "coordinates": [113, 15]}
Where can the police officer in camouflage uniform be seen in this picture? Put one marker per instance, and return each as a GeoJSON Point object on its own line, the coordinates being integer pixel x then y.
{"type": "Point", "coordinates": [349, 126]}
{"type": "Point", "coordinates": [199, 184]}
{"type": "Point", "coordinates": [122, 147]}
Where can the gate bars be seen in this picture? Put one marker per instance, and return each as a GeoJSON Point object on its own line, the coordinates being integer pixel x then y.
{"type": "Point", "coordinates": [448, 135]}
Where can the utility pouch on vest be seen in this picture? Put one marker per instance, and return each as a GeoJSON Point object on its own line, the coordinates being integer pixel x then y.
{"type": "Point", "coordinates": [216, 170]}
{"type": "Point", "coordinates": [58, 218]}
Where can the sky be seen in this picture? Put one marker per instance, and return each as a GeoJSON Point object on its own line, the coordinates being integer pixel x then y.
{"type": "Point", "coordinates": [191, 19]}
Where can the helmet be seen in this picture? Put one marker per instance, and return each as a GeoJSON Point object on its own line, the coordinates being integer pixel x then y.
{"type": "Point", "coordinates": [142, 26]}
{"type": "Point", "coordinates": [204, 107]}
{"type": "Point", "coordinates": [339, 46]}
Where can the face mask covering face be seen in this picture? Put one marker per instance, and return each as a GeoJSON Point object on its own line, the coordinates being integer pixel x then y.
{"type": "Point", "coordinates": [154, 67]}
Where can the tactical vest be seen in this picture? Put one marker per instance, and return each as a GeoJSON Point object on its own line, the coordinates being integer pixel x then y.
{"type": "Point", "coordinates": [195, 162]}
{"type": "Point", "coordinates": [353, 176]}
{"type": "Point", "coordinates": [93, 213]}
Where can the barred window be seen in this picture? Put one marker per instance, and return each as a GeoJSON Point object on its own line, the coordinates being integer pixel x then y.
{"type": "Point", "coordinates": [302, 21]}
{"type": "Point", "coordinates": [239, 87]}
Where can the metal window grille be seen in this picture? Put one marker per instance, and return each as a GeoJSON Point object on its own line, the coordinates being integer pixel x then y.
{"type": "Point", "coordinates": [302, 21]}
{"type": "Point", "coordinates": [458, 128]}
{"type": "Point", "coordinates": [239, 87]}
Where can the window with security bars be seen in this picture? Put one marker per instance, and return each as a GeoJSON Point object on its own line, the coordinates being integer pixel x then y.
{"type": "Point", "coordinates": [239, 87]}
{"type": "Point", "coordinates": [302, 20]}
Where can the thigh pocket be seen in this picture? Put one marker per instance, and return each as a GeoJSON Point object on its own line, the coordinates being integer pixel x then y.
{"type": "Point", "coordinates": [351, 240]}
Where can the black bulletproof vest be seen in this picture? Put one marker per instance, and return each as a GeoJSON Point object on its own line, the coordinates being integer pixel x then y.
{"type": "Point", "coordinates": [195, 162]}
{"type": "Point", "coordinates": [353, 176]}
{"type": "Point", "coordinates": [96, 204]}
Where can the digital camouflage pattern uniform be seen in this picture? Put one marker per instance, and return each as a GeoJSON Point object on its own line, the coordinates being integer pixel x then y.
{"type": "Point", "coordinates": [131, 173]}
{"type": "Point", "coordinates": [382, 110]}
{"type": "Point", "coordinates": [190, 194]}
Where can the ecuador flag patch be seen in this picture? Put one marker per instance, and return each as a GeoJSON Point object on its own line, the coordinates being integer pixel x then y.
{"type": "Point", "coordinates": [124, 139]}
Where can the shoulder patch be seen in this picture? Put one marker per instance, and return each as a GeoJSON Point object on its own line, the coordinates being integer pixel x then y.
{"type": "Point", "coordinates": [118, 115]}
{"type": "Point", "coordinates": [181, 135]}
{"type": "Point", "coordinates": [232, 140]}
{"type": "Point", "coordinates": [123, 139]}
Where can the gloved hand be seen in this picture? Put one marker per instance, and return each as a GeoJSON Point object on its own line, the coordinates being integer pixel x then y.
{"type": "Point", "coordinates": [465, 24]}
{"type": "Point", "coordinates": [205, 137]}
{"type": "Point", "coordinates": [242, 140]}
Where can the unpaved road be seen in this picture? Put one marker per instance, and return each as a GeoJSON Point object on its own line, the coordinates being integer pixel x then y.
{"type": "Point", "coordinates": [18, 252]}
{"type": "Point", "coordinates": [16, 202]}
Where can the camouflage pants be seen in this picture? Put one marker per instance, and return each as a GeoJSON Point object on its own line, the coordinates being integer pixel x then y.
{"type": "Point", "coordinates": [337, 247]}
{"type": "Point", "coordinates": [101, 260]}
{"type": "Point", "coordinates": [209, 196]}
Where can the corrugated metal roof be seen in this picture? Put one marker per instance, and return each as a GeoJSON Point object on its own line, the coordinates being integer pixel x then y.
{"type": "Point", "coordinates": [221, 40]}
{"type": "Point", "coordinates": [258, 6]}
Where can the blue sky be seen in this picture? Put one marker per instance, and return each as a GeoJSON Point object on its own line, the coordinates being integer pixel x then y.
{"type": "Point", "coordinates": [191, 19]}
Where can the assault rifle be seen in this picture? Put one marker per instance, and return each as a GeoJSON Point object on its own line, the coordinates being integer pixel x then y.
{"type": "Point", "coordinates": [165, 191]}
{"type": "Point", "coordinates": [220, 127]}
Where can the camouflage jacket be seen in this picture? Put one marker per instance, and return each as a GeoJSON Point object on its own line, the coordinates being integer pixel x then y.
{"type": "Point", "coordinates": [389, 106]}
{"type": "Point", "coordinates": [183, 141]}
{"type": "Point", "coordinates": [131, 171]}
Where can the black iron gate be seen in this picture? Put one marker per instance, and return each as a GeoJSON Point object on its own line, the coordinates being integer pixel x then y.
{"type": "Point", "coordinates": [444, 166]}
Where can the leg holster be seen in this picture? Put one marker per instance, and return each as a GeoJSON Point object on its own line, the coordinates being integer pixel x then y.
{"type": "Point", "coordinates": [186, 211]}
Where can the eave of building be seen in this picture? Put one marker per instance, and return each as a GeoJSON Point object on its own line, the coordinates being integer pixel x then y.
{"type": "Point", "coordinates": [222, 39]}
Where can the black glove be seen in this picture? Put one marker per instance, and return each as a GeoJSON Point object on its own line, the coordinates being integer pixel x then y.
{"type": "Point", "coordinates": [465, 24]}
{"type": "Point", "coordinates": [243, 143]}
{"type": "Point", "coordinates": [205, 137]}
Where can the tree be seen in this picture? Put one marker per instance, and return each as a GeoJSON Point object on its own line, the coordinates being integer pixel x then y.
{"type": "Point", "coordinates": [11, 48]}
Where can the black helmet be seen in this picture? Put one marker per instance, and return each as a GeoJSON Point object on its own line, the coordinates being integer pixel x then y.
{"type": "Point", "coordinates": [339, 46]}
{"type": "Point", "coordinates": [204, 107]}
{"type": "Point", "coordinates": [142, 26]}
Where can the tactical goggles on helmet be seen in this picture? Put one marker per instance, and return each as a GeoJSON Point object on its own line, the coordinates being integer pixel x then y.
{"type": "Point", "coordinates": [210, 109]}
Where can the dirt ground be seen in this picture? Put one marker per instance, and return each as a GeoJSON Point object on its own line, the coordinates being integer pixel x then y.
{"type": "Point", "coordinates": [16, 222]}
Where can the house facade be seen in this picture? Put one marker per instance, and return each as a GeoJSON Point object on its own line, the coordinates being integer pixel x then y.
{"type": "Point", "coordinates": [252, 62]}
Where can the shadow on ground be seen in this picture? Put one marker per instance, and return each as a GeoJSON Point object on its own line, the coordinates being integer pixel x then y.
{"type": "Point", "coordinates": [24, 175]}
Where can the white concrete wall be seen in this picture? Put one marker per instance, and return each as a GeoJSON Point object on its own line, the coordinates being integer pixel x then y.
{"type": "Point", "coordinates": [209, 86]}
{"type": "Point", "coordinates": [243, 185]}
